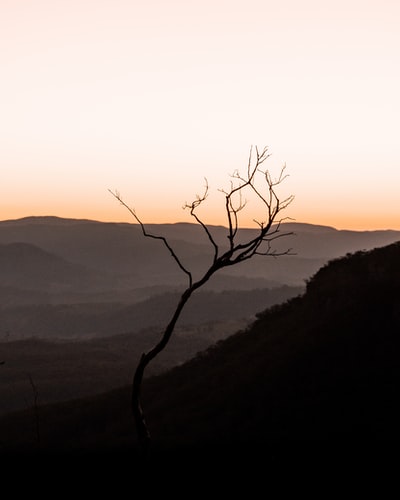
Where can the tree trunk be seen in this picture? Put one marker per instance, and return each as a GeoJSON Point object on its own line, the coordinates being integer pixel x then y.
{"type": "Point", "coordinates": [143, 434]}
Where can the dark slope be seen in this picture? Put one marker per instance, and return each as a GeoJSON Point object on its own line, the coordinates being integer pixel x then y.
{"type": "Point", "coordinates": [322, 368]}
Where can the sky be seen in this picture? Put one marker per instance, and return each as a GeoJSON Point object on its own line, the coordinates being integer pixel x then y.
{"type": "Point", "coordinates": [150, 98]}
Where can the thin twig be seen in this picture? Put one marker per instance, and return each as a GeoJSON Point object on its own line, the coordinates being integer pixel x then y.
{"type": "Point", "coordinates": [192, 207]}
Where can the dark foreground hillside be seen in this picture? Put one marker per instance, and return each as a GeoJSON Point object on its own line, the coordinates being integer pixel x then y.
{"type": "Point", "coordinates": [319, 374]}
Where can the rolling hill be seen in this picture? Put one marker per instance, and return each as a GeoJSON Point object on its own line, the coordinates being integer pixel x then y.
{"type": "Point", "coordinates": [28, 267]}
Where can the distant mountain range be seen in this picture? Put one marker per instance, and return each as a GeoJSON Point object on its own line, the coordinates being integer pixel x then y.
{"type": "Point", "coordinates": [83, 260]}
{"type": "Point", "coordinates": [67, 278]}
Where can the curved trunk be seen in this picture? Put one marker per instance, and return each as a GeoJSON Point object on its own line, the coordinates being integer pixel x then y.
{"type": "Point", "coordinates": [142, 430]}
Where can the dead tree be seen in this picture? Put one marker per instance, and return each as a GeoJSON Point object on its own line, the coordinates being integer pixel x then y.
{"type": "Point", "coordinates": [236, 252]}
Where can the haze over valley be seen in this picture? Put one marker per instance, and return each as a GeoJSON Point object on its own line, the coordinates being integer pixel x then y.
{"type": "Point", "coordinates": [82, 298]}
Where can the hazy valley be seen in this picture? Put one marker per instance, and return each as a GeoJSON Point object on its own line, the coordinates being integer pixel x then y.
{"type": "Point", "coordinates": [80, 300]}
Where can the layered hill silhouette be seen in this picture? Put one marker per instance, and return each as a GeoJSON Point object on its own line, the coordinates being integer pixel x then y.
{"type": "Point", "coordinates": [67, 278]}
{"type": "Point", "coordinates": [82, 321]}
{"type": "Point", "coordinates": [320, 368]}
{"type": "Point", "coordinates": [116, 257]}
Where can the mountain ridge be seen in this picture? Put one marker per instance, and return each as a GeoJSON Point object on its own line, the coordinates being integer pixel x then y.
{"type": "Point", "coordinates": [45, 219]}
{"type": "Point", "coordinates": [123, 254]}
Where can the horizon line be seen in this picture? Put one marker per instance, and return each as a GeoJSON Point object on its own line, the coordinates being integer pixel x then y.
{"type": "Point", "coordinates": [84, 219]}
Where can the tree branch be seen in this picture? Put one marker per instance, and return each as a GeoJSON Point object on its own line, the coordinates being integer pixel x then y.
{"type": "Point", "coordinates": [192, 207]}
{"type": "Point", "coordinates": [156, 237]}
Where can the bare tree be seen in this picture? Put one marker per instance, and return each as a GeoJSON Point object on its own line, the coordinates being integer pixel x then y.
{"type": "Point", "coordinates": [236, 252]}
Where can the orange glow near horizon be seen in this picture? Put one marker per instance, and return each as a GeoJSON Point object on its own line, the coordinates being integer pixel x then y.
{"type": "Point", "coordinates": [148, 98]}
{"type": "Point", "coordinates": [211, 215]}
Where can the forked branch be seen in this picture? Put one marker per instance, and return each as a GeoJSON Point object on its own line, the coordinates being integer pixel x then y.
{"type": "Point", "coordinates": [192, 208]}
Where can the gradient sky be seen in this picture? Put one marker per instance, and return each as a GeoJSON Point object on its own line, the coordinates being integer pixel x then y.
{"type": "Point", "coordinates": [151, 97]}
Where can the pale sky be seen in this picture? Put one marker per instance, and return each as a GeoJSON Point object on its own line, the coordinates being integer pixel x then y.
{"type": "Point", "coordinates": [149, 97]}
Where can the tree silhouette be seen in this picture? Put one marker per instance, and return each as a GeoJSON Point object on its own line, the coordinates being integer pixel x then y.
{"type": "Point", "coordinates": [237, 251]}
